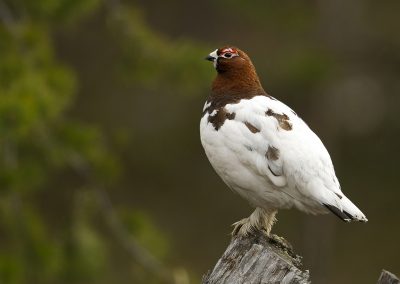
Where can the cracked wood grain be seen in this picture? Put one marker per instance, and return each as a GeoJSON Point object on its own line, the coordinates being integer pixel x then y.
{"type": "Point", "coordinates": [257, 259]}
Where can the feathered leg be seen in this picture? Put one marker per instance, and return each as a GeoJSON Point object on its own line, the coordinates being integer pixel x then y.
{"type": "Point", "coordinates": [261, 219]}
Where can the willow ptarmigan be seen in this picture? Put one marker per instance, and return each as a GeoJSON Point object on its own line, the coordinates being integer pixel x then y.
{"type": "Point", "coordinates": [264, 151]}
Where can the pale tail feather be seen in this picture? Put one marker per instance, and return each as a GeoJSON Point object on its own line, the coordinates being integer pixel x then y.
{"type": "Point", "coordinates": [348, 212]}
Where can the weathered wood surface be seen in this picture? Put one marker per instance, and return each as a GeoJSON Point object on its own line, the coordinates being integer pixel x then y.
{"type": "Point", "coordinates": [388, 278]}
{"type": "Point", "coordinates": [257, 259]}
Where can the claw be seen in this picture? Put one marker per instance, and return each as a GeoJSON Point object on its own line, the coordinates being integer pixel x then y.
{"type": "Point", "coordinates": [259, 220]}
{"type": "Point", "coordinates": [239, 228]}
{"type": "Point", "coordinates": [244, 227]}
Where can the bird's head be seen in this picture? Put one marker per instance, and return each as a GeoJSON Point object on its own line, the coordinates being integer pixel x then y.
{"type": "Point", "coordinates": [229, 58]}
{"type": "Point", "coordinates": [235, 70]}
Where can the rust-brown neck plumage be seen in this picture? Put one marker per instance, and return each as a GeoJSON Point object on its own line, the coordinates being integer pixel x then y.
{"type": "Point", "coordinates": [237, 78]}
{"type": "Point", "coordinates": [236, 83]}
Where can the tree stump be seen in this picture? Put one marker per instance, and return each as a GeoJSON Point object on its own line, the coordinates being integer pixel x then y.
{"type": "Point", "coordinates": [258, 259]}
{"type": "Point", "coordinates": [262, 260]}
{"type": "Point", "coordinates": [388, 278]}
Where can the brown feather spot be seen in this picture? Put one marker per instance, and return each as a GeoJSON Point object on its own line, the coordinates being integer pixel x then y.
{"type": "Point", "coordinates": [251, 127]}
{"type": "Point", "coordinates": [283, 119]}
{"type": "Point", "coordinates": [272, 153]}
{"type": "Point", "coordinates": [219, 118]}
{"type": "Point", "coordinates": [230, 116]}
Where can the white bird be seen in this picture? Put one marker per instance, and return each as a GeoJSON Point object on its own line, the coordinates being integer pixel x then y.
{"type": "Point", "coordinates": [264, 151]}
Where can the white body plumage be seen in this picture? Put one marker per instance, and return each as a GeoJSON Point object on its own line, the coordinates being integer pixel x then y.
{"type": "Point", "coordinates": [269, 156]}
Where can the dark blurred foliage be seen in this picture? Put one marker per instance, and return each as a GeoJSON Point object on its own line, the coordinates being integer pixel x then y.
{"type": "Point", "coordinates": [103, 178]}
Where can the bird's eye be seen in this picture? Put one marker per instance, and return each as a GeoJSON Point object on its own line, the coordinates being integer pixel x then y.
{"type": "Point", "coordinates": [228, 55]}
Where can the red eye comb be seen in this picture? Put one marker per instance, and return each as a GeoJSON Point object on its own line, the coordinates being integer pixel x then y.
{"type": "Point", "coordinates": [231, 50]}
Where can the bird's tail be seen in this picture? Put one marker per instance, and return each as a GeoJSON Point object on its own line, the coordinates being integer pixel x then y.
{"type": "Point", "coordinates": [348, 212]}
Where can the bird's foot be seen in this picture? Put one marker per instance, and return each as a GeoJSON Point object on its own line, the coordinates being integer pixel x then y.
{"type": "Point", "coordinates": [246, 228]}
{"type": "Point", "coordinates": [242, 228]}
{"type": "Point", "coordinates": [259, 220]}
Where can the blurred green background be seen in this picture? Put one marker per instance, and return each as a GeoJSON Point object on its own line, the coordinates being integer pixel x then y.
{"type": "Point", "coordinates": [102, 175]}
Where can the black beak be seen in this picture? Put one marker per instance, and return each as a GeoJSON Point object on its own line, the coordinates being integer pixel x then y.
{"type": "Point", "coordinates": [210, 58]}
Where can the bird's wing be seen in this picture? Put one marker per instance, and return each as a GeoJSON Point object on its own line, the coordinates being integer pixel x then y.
{"type": "Point", "coordinates": [282, 147]}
